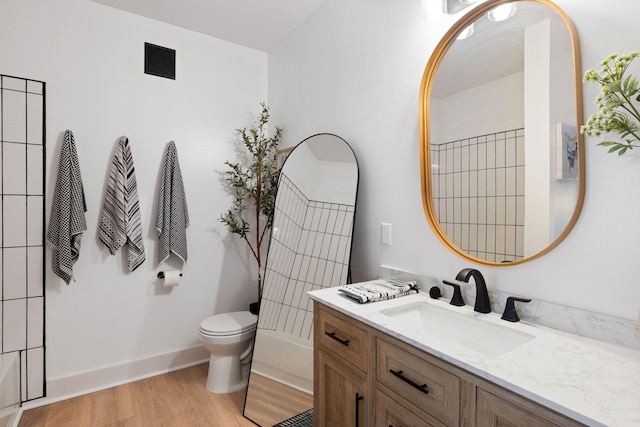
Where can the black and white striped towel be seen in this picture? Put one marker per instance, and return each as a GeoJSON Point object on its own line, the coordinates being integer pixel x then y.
{"type": "Point", "coordinates": [379, 290]}
{"type": "Point", "coordinates": [67, 221]}
{"type": "Point", "coordinates": [120, 219]}
{"type": "Point", "coordinates": [172, 216]}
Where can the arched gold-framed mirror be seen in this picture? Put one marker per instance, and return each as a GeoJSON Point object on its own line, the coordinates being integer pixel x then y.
{"type": "Point", "coordinates": [502, 158]}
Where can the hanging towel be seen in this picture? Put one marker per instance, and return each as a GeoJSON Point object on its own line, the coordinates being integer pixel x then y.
{"type": "Point", "coordinates": [67, 221]}
{"type": "Point", "coordinates": [120, 219]}
{"type": "Point", "coordinates": [379, 290]}
{"type": "Point", "coordinates": [172, 215]}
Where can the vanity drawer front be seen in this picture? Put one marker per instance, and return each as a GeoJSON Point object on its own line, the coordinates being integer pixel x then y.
{"type": "Point", "coordinates": [494, 411]}
{"type": "Point", "coordinates": [430, 388]}
{"type": "Point", "coordinates": [390, 413]}
{"type": "Point", "coordinates": [343, 338]}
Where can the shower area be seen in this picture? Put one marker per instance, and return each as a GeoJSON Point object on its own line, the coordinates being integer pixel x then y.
{"type": "Point", "coordinates": [310, 249]}
{"type": "Point", "coordinates": [479, 194]}
{"type": "Point", "coordinates": [22, 302]}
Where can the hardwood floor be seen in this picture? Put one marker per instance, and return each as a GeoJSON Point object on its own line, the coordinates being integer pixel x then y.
{"type": "Point", "coordinates": [176, 399]}
{"type": "Point", "coordinates": [270, 402]}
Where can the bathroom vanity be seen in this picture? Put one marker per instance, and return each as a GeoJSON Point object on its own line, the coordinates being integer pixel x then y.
{"type": "Point", "coordinates": [415, 361]}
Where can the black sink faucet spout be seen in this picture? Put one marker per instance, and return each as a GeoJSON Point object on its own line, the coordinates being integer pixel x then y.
{"type": "Point", "coordinates": [482, 304]}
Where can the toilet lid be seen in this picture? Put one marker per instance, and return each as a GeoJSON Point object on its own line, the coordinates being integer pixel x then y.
{"type": "Point", "coordinates": [229, 323]}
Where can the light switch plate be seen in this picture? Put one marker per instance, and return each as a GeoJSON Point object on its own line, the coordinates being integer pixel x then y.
{"type": "Point", "coordinates": [385, 233]}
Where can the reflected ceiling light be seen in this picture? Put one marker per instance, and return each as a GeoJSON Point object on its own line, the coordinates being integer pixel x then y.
{"type": "Point", "coordinates": [502, 12]}
{"type": "Point", "coordinates": [451, 7]}
{"type": "Point", "coordinates": [466, 33]}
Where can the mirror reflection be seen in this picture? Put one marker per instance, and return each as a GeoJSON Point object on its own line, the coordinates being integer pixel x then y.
{"type": "Point", "coordinates": [310, 248]}
{"type": "Point", "coordinates": [504, 180]}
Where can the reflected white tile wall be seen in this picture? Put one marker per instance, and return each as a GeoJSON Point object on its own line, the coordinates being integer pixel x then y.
{"type": "Point", "coordinates": [15, 213]}
{"type": "Point", "coordinates": [319, 258]}
{"type": "Point", "coordinates": [35, 325]}
{"type": "Point", "coordinates": [34, 220]}
{"type": "Point", "coordinates": [34, 165]}
{"type": "Point", "coordinates": [500, 152]}
{"type": "Point", "coordinates": [34, 118]}
{"type": "Point", "coordinates": [14, 120]}
{"type": "Point", "coordinates": [14, 167]}
{"type": "Point", "coordinates": [35, 373]}
{"type": "Point", "coordinates": [21, 227]}
{"type": "Point", "coordinates": [481, 186]}
{"type": "Point", "coordinates": [14, 273]}
{"type": "Point", "coordinates": [14, 325]}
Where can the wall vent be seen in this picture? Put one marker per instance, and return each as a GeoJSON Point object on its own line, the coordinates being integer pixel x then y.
{"type": "Point", "coordinates": [159, 61]}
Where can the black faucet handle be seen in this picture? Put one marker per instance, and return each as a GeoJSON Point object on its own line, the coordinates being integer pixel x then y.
{"type": "Point", "coordinates": [457, 299]}
{"type": "Point", "coordinates": [510, 313]}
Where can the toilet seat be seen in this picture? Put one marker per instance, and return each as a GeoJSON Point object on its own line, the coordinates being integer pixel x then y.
{"type": "Point", "coordinates": [226, 324]}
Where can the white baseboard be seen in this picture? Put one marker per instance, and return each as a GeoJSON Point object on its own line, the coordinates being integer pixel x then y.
{"type": "Point", "coordinates": [88, 382]}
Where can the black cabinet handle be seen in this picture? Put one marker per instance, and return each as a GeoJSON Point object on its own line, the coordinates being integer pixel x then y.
{"type": "Point", "coordinates": [358, 399]}
{"type": "Point", "coordinates": [422, 388]}
{"type": "Point", "coordinates": [340, 340]}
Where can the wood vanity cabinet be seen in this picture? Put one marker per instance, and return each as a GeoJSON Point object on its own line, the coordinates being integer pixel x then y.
{"type": "Point", "coordinates": [341, 361]}
{"type": "Point", "coordinates": [362, 373]}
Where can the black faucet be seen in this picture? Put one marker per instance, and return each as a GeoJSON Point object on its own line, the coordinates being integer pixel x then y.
{"type": "Point", "coordinates": [510, 314]}
{"type": "Point", "coordinates": [482, 304]}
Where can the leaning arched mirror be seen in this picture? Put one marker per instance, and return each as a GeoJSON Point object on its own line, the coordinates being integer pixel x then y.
{"type": "Point", "coordinates": [309, 249]}
{"type": "Point", "coordinates": [502, 159]}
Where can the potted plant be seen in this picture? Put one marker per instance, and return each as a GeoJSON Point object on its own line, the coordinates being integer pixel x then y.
{"type": "Point", "coordinates": [617, 104]}
{"type": "Point", "coordinates": [253, 183]}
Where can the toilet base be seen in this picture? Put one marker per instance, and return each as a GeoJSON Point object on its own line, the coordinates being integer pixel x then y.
{"type": "Point", "coordinates": [225, 374]}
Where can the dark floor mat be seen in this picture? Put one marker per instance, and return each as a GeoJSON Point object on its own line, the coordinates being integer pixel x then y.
{"type": "Point", "coordinates": [304, 419]}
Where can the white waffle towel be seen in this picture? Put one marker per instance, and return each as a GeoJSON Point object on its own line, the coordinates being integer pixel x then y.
{"type": "Point", "coordinates": [379, 290]}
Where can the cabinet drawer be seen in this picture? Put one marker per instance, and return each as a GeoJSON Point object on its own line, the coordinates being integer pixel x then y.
{"type": "Point", "coordinates": [343, 338]}
{"type": "Point", "coordinates": [390, 413]}
{"type": "Point", "coordinates": [432, 389]}
{"type": "Point", "coordinates": [494, 411]}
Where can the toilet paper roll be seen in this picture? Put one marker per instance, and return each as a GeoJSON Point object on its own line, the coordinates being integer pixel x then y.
{"type": "Point", "coordinates": [171, 278]}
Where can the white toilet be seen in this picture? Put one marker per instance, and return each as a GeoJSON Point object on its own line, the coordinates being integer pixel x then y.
{"type": "Point", "coordinates": [229, 338]}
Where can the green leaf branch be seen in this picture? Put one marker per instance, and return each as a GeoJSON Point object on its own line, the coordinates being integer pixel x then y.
{"type": "Point", "coordinates": [253, 186]}
{"type": "Point", "coordinates": [617, 104]}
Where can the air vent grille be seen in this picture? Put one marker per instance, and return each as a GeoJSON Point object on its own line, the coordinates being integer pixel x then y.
{"type": "Point", "coordinates": [159, 61]}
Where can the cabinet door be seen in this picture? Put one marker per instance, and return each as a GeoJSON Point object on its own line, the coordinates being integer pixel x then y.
{"type": "Point", "coordinates": [340, 394]}
{"type": "Point", "coordinates": [390, 413]}
{"type": "Point", "coordinates": [492, 411]}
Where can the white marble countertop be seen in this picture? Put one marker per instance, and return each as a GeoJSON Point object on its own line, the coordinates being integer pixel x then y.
{"type": "Point", "coordinates": [590, 381]}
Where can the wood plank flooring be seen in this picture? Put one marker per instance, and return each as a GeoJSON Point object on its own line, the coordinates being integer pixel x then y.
{"type": "Point", "coordinates": [270, 402]}
{"type": "Point", "coordinates": [175, 399]}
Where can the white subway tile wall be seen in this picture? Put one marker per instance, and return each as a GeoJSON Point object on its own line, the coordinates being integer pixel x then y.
{"type": "Point", "coordinates": [478, 193]}
{"type": "Point", "coordinates": [22, 229]}
{"type": "Point", "coordinates": [310, 249]}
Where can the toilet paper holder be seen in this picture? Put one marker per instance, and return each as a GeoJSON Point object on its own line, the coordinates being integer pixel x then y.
{"type": "Point", "coordinates": [161, 275]}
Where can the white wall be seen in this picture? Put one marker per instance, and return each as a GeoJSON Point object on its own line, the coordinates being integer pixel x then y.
{"type": "Point", "coordinates": [91, 57]}
{"type": "Point", "coordinates": [354, 68]}
{"type": "Point", "coordinates": [481, 110]}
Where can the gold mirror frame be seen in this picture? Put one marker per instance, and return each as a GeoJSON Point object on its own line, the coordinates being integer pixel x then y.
{"type": "Point", "coordinates": [425, 148]}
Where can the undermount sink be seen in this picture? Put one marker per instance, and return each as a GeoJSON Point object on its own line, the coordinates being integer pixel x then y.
{"type": "Point", "coordinates": [468, 330]}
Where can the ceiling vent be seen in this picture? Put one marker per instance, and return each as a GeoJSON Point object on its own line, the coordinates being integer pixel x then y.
{"type": "Point", "coordinates": [159, 61]}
